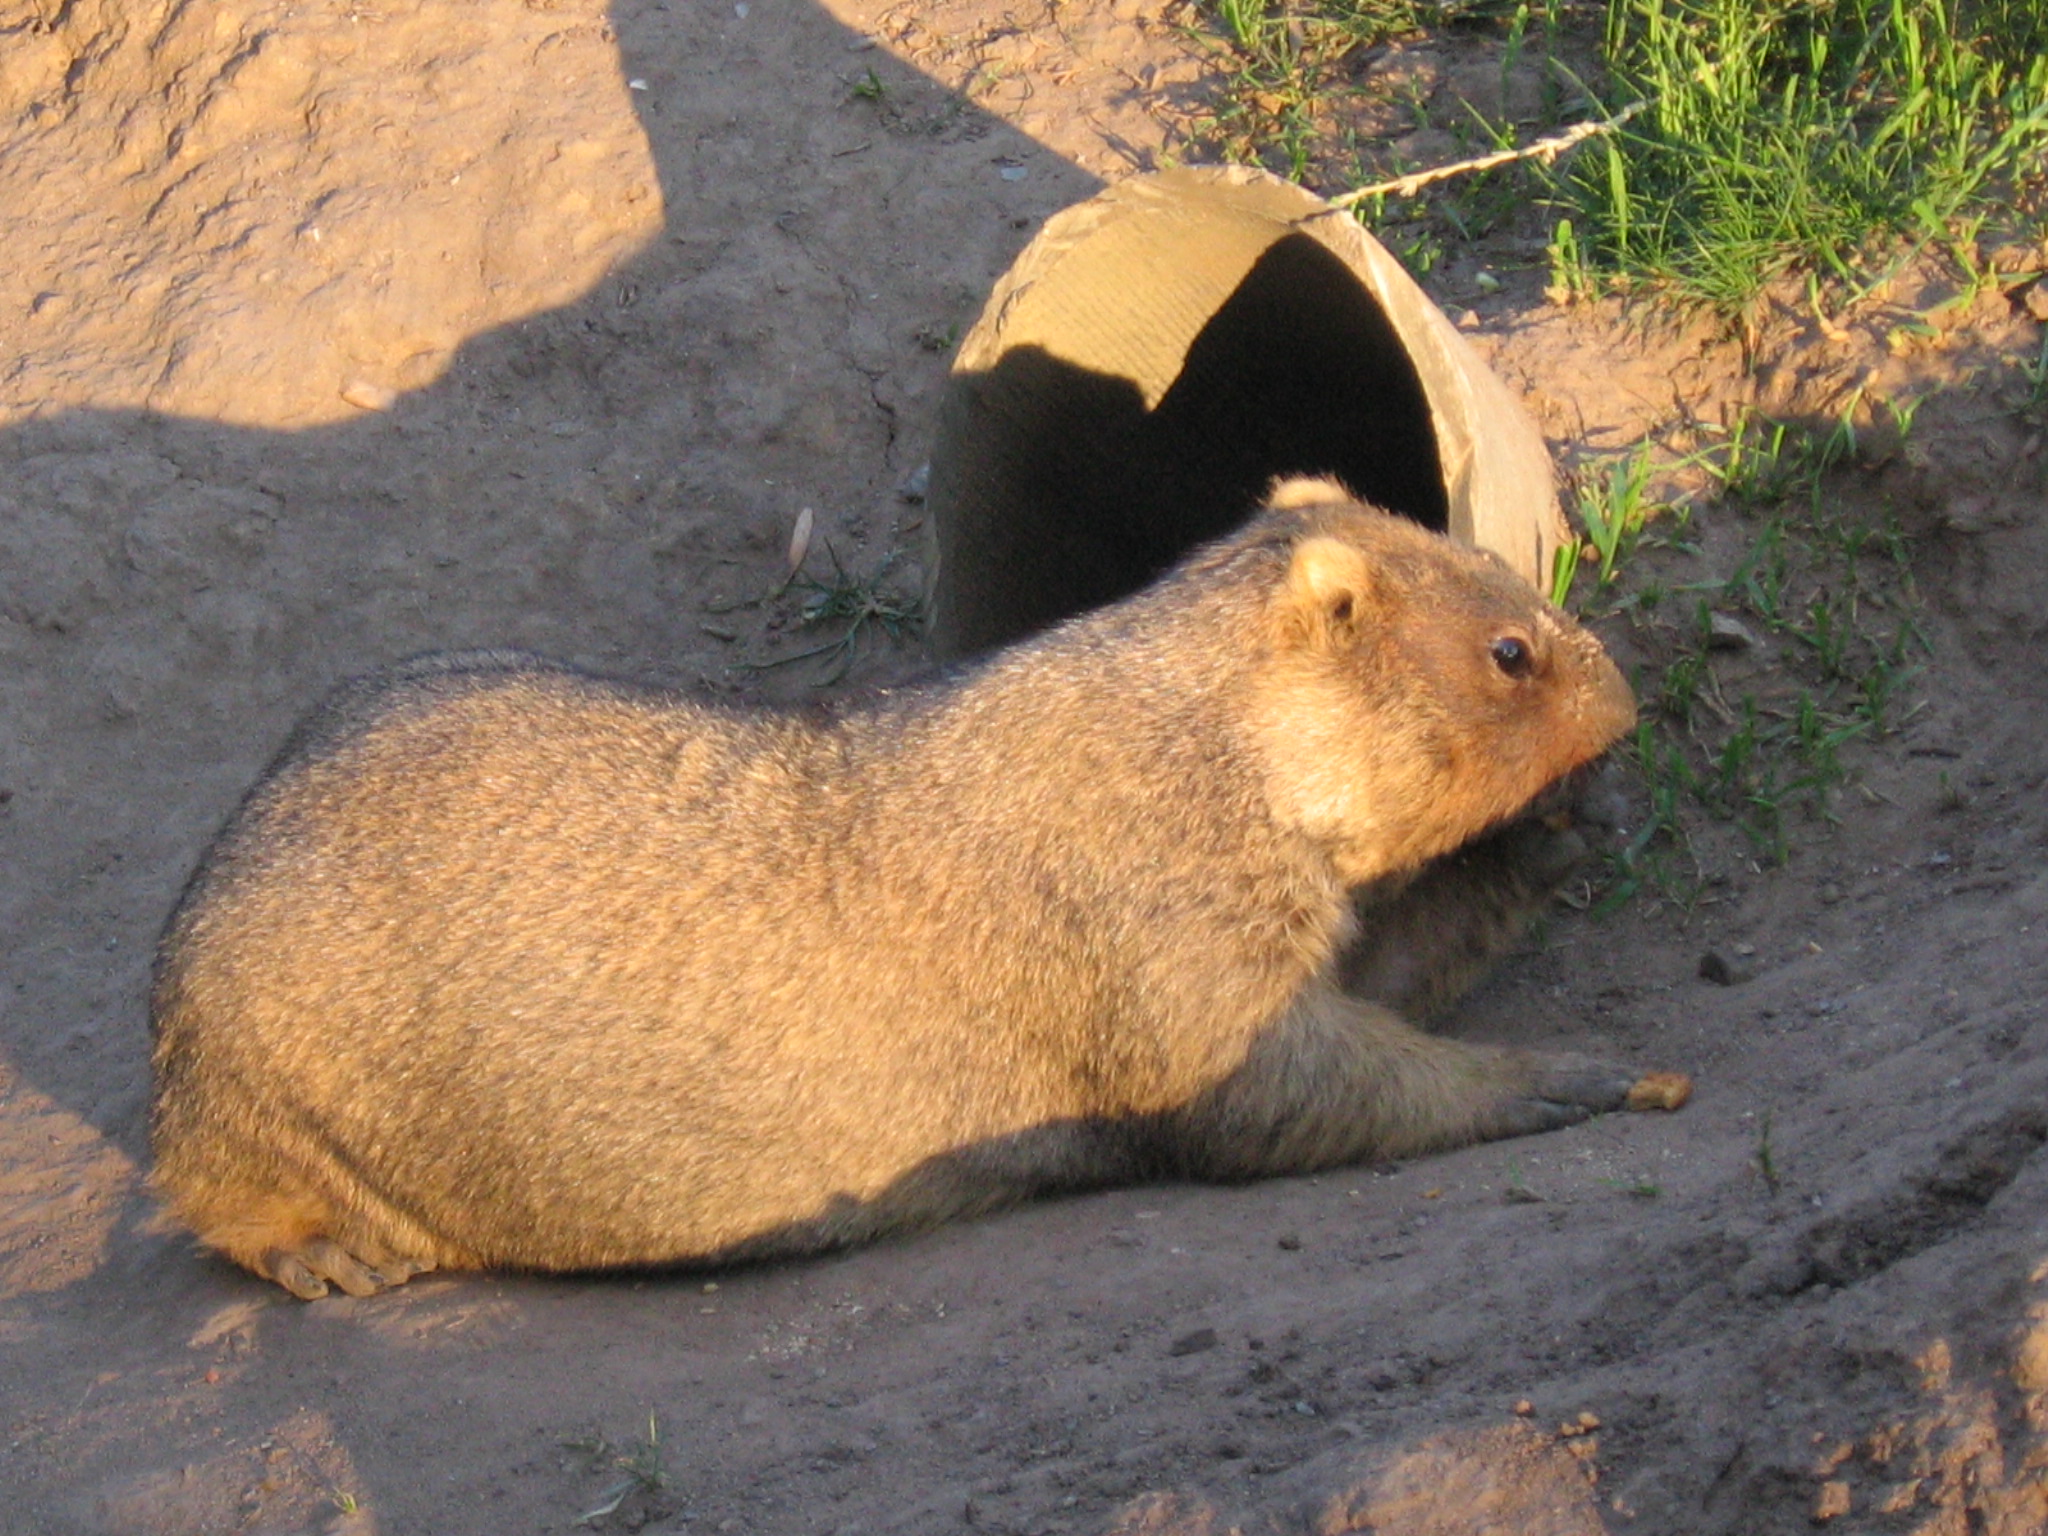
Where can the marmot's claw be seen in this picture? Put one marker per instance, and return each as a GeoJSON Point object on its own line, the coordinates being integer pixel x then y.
{"type": "Point", "coordinates": [291, 1272]}
{"type": "Point", "coordinates": [307, 1270]}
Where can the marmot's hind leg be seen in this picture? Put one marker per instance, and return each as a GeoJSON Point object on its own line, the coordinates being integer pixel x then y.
{"type": "Point", "coordinates": [307, 1270]}
{"type": "Point", "coordinates": [293, 1240]}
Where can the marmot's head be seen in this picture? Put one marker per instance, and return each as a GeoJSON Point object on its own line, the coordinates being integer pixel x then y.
{"type": "Point", "coordinates": [1413, 691]}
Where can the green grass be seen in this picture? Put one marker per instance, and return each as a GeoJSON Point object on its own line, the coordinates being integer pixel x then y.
{"type": "Point", "coordinates": [2036, 376]}
{"type": "Point", "coordinates": [1766, 1159]}
{"type": "Point", "coordinates": [1757, 742]}
{"type": "Point", "coordinates": [1636, 1188]}
{"type": "Point", "coordinates": [1829, 138]}
{"type": "Point", "coordinates": [1285, 65]}
{"type": "Point", "coordinates": [854, 606]}
{"type": "Point", "coordinates": [1785, 135]}
{"type": "Point", "coordinates": [643, 1463]}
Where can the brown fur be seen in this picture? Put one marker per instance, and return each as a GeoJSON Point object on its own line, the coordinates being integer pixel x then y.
{"type": "Point", "coordinates": [502, 964]}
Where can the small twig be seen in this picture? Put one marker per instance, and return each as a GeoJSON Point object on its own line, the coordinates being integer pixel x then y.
{"type": "Point", "coordinates": [1545, 150]}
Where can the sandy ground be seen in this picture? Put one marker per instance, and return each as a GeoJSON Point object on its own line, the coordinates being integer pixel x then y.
{"type": "Point", "coordinates": [334, 331]}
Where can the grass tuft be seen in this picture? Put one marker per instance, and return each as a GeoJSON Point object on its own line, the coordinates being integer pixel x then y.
{"type": "Point", "coordinates": [1830, 138]}
{"type": "Point", "coordinates": [1813, 135]}
{"type": "Point", "coordinates": [1772, 667]}
{"type": "Point", "coordinates": [853, 603]}
{"type": "Point", "coordinates": [643, 1463]}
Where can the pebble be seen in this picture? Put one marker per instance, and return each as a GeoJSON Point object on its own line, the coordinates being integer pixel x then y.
{"type": "Point", "coordinates": [365, 396]}
{"type": "Point", "coordinates": [1832, 1502]}
{"type": "Point", "coordinates": [1725, 632]}
{"type": "Point", "coordinates": [1722, 971]}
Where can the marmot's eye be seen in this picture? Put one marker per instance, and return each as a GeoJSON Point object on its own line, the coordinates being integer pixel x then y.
{"type": "Point", "coordinates": [1512, 655]}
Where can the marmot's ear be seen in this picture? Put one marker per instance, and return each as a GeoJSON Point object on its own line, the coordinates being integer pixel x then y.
{"type": "Point", "coordinates": [1288, 493]}
{"type": "Point", "coordinates": [1331, 593]}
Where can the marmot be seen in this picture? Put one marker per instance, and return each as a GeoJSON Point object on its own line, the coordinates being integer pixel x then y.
{"type": "Point", "coordinates": [504, 964]}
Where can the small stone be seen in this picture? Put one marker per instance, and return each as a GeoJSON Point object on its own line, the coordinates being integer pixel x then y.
{"type": "Point", "coordinates": [1725, 632]}
{"type": "Point", "coordinates": [1720, 970]}
{"type": "Point", "coordinates": [1524, 1408]}
{"type": "Point", "coordinates": [2030, 1362]}
{"type": "Point", "coordinates": [1828, 1460]}
{"type": "Point", "coordinates": [1198, 1342]}
{"type": "Point", "coordinates": [1899, 1497]}
{"type": "Point", "coordinates": [1831, 1503]}
{"type": "Point", "coordinates": [365, 396]}
{"type": "Point", "coordinates": [1291, 1241]}
{"type": "Point", "coordinates": [1971, 512]}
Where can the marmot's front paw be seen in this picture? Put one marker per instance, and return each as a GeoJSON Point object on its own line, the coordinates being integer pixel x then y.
{"type": "Point", "coordinates": [1593, 799]}
{"type": "Point", "coordinates": [1542, 855]}
{"type": "Point", "coordinates": [1556, 1091]}
{"type": "Point", "coordinates": [1561, 1090]}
